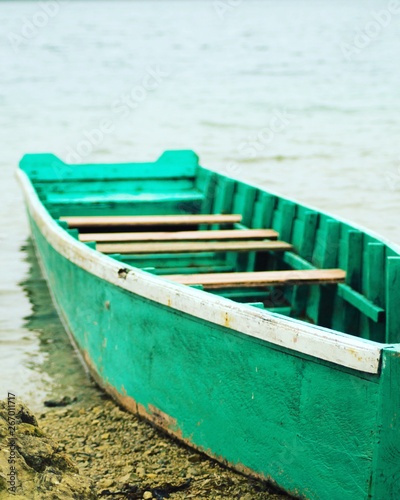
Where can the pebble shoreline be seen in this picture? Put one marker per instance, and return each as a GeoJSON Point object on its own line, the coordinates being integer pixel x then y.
{"type": "Point", "coordinates": [127, 458]}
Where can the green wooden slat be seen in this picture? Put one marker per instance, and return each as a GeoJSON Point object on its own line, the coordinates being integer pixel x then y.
{"type": "Point", "coordinates": [91, 244]}
{"type": "Point", "coordinates": [121, 198]}
{"type": "Point", "coordinates": [209, 193]}
{"type": "Point", "coordinates": [191, 270]}
{"type": "Point", "coordinates": [116, 256]}
{"type": "Point", "coordinates": [244, 261]}
{"type": "Point", "coordinates": [74, 233]}
{"type": "Point", "coordinates": [258, 305]}
{"type": "Point", "coordinates": [284, 311]}
{"type": "Point", "coordinates": [63, 224]}
{"type": "Point", "coordinates": [393, 300]}
{"type": "Point", "coordinates": [376, 285]}
{"type": "Point", "coordinates": [256, 223]}
{"type": "Point", "coordinates": [296, 262]}
{"type": "Point", "coordinates": [267, 209]}
{"type": "Point", "coordinates": [244, 295]}
{"type": "Point", "coordinates": [300, 294]}
{"type": "Point", "coordinates": [353, 265]}
{"type": "Point", "coordinates": [288, 214]}
{"type": "Point", "coordinates": [223, 197]}
{"type": "Point", "coordinates": [361, 303]}
{"type": "Point", "coordinates": [307, 245]}
{"type": "Point", "coordinates": [320, 304]}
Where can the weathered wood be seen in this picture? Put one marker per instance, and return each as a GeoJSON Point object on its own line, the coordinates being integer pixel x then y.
{"type": "Point", "coordinates": [262, 278]}
{"type": "Point", "coordinates": [385, 471]}
{"type": "Point", "coordinates": [198, 246]}
{"type": "Point", "coordinates": [376, 273]}
{"type": "Point", "coordinates": [108, 221]}
{"type": "Point", "coordinates": [353, 256]}
{"type": "Point", "coordinates": [393, 300]}
{"type": "Point", "coordinates": [320, 307]}
{"type": "Point", "coordinates": [361, 303]}
{"type": "Point", "coordinates": [223, 234]}
{"type": "Point", "coordinates": [303, 261]}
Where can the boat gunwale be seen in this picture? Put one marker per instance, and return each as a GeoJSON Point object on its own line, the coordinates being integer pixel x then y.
{"type": "Point", "coordinates": [312, 340]}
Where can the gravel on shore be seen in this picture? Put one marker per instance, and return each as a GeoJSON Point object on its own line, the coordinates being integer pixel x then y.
{"type": "Point", "coordinates": [127, 458]}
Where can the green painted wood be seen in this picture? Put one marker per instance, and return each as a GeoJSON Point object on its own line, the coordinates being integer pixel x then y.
{"type": "Point", "coordinates": [284, 311]}
{"type": "Point", "coordinates": [223, 197]}
{"type": "Point", "coordinates": [287, 220]}
{"type": "Point", "coordinates": [63, 224]}
{"type": "Point", "coordinates": [243, 294]}
{"type": "Point", "coordinates": [257, 305]}
{"type": "Point", "coordinates": [350, 307]}
{"type": "Point", "coordinates": [91, 244]}
{"type": "Point", "coordinates": [254, 406]}
{"type": "Point", "coordinates": [385, 474]}
{"type": "Point", "coordinates": [74, 233]}
{"type": "Point", "coordinates": [246, 261]}
{"type": "Point", "coordinates": [376, 273]}
{"type": "Point", "coordinates": [176, 206]}
{"type": "Point", "coordinates": [47, 167]}
{"type": "Point", "coordinates": [302, 261]}
{"type": "Point", "coordinates": [307, 232]}
{"type": "Point", "coordinates": [294, 261]}
{"type": "Point", "coordinates": [209, 189]}
{"type": "Point", "coordinates": [258, 219]}
{"type": "Point", "coordinates": [360, 303]}
{"type": "Point", "coordinates": [393, 300]}
{"type": "Point", "coordinates": [190, 270]}
{"type": "Point", "coordinates": [187, 197]}
{"type": "Point", "coordinates": [132, 186]}
{"type": "Point", "coordinates": [116, 256]}
{"type": "Point", "coordinates": [321, 298]}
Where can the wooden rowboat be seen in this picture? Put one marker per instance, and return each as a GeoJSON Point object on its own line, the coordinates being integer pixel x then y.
{"type": "Point", "coordinates": [259, 331]}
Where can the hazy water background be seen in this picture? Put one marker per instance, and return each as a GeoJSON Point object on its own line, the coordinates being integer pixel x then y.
{"type": "Point", "coordinates": [226, 69]}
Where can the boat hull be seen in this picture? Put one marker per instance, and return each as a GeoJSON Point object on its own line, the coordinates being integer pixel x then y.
{"type": "Point", "coordinates": [310, 427]}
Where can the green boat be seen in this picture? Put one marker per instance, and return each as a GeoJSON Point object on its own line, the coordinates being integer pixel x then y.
{"type": "Point", "coordinates": [263, 333]}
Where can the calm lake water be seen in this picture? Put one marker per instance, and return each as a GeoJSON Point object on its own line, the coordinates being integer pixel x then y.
{"type": "Point", "coordinates": [299, 96]}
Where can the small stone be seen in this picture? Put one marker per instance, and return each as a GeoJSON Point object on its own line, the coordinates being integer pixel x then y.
{"type": "Point", "coordinates": [192, 471]}
{"type": "Point", "coordinates": [106, 483]}
{"type": "Point", "coordinates": [147, 495]}
{"type": "Point", "coordinates": [124, 479]}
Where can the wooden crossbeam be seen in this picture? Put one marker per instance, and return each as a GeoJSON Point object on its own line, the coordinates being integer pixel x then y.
{"type": "Point", "coordinates": [263, 278]}
{"type": "Point", "coordinates": [192, 247]}
{"type": "Point", "coordinates": [224, 234]}
{"type": "Point", "coordinates": [110, 221]}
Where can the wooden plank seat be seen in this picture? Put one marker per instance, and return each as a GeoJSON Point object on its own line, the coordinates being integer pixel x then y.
{"type": "Point", "coordinates": [196, 246]}
{"type": "Point", "coordinates": [261, 278]}
{"type": "Point", "coordinates": [223, 234]}
{"type": "Point", "coordinates": [110, 221]}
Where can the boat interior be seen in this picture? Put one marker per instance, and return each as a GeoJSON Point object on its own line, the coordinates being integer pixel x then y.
{"type": "Point", "coordinates": [201, 229]}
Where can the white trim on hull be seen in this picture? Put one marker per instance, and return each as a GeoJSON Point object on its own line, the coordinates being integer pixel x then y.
{"type": "Point", "coordinates": [335, 347]}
